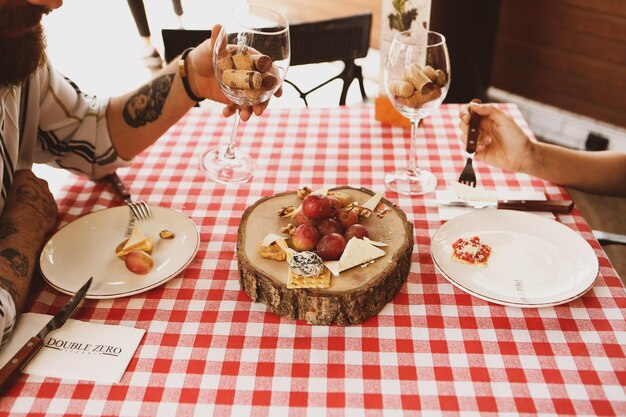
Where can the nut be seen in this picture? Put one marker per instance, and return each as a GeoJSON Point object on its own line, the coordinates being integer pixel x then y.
{"type": "Point", "coordinates": [284, 211]}
{"type": "Point", "coordinates": [289, 229]}
{"type": "Point", "coordinates": [303, 192]}
{"type": "Point", "coordinates": [364, 212]}
{"type": "Point", "coordinates": [166, 234]}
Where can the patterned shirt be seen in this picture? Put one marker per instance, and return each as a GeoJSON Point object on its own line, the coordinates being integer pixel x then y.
{"type": "Point", "coordinates": [49, 120]}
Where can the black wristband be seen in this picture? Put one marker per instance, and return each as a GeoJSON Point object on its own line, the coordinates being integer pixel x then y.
{"type": "Point", "coordinates": [182, 71]}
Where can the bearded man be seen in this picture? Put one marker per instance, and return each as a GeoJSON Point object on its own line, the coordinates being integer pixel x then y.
{"type": "Point", "coordinates": [45, 118]}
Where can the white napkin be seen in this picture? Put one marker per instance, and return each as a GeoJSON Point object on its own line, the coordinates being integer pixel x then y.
{"type": "Point", "coordinates": [77, 351]}
{"type": "Point", "coordinates": [464, 192]}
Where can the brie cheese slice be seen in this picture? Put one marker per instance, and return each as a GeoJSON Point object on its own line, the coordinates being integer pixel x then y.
{"type": "Point", "coordinates": [135, 239]}
{"type": "Point", "coordinates": [372, 202]}
{"type": "Point", "coordinates": [357, 252]}
{"type": "Point", "coordinates": [375, 243]}
{"type": "Point", "coordinates": [271, 238]}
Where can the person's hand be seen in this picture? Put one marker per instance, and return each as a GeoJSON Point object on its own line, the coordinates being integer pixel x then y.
{"type": "Point", "coordinates": [30, 200]}
{"type": "Point", "coordinates": [501, 141]}
{"type": "Point", "coordinates": [204, 83]}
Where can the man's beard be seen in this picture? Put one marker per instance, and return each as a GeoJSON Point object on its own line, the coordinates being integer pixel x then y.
{"type": "Point", "coordinates": [22, 44]}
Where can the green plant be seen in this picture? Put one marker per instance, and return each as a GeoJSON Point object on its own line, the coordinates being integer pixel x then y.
{"type": "Point", "coordinates": [402, 19]}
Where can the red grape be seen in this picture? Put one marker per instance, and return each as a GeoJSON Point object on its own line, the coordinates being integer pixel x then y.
{"type": "Point", "coordinates": [356, 230]}
{"type": "Point", "coordinates": [326, 226]}
{"type": "Point", "coordinates": [305, 238]}
{"type": "Point", "coordinates": [331, 246]}
{"type": "Point", "coordinates": [300, 218]}
{"type": "Point", "coordinates": [344, 199]}
{"type": "Point", "coordinates": [138, 262]}
{"type": "Point", "coordinates": [347, 217]}
{"type": "Point", "coordinates": [335, 202]}
{"type": "Point", "coordinates": [317, 206]}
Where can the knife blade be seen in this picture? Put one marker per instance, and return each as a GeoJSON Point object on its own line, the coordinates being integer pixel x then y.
{"type": "Point", "coordinates": [14, 366]}
{"type": "Point", "coordinates": [555, 206]}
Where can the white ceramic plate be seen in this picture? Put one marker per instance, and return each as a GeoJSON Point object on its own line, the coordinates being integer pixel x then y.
{"type": "Point", "coordinates": [535, 262]}
{"type": "Point", "coordinates": [86, 247]}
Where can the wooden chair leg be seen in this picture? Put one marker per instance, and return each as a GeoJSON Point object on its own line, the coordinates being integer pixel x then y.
{"type": "Point", "coordinates": [359, 76]}
{"type": "Point", "coordinates": [178, 7]}
{"type": "Point", "coordinates": [139, 15]}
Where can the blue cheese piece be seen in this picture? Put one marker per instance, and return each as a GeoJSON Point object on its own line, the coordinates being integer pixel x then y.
{"type": "Point", "coordinates": [306, 264]}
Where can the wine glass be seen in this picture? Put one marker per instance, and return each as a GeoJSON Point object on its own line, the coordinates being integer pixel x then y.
{"type": "Point", "coordinates": [417, 78]}
{"type": "Point", "coordinates": [251, 57]}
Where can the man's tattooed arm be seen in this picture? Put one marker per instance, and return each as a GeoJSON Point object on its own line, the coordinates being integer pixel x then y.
{"type": "Point", "coordinates": [18, 261]}
{"type": "Point", "coordinates": [31, 195]}
{"type": "Point", "coordinates": [29, 214]}
{"type": "Point", "coordinates": [7, 228]}
{"type": "Point", "coordinates": [9, 286]}
{"type": "Point", "coordinates": [146, 104]}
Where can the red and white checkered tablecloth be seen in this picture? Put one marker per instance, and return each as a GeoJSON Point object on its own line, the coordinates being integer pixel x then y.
{"type": "Point", "coordinates": [434, 350]}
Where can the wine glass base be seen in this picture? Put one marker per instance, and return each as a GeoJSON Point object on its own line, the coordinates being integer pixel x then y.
{"type": "Point", "coordinates": [404, 183]}
{"type": "Point", "coordinates": [225, 170]}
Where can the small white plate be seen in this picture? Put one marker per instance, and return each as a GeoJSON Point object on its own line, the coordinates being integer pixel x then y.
{"type": "Point", "coordinates": [86, 247]}
{"type": "Point", "coordinates": [534, 262]}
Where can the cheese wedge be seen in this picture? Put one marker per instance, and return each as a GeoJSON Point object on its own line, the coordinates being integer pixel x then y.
{"type": "Point", "coordinates": [357, 252]}
{"type": "Point", "coordinates": [271, 238]}
{"type": "Point", "coordinates": [136, 238]}
{"type": "Point", "coordinates": [136, 241]}
{"type": "Point", "coordinates": [372, 203]}
{"type": "Point", "coordinates": [375, 243]}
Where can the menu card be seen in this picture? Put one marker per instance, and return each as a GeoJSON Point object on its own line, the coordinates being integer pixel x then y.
{"type": "Point", "coordinates": [78, 350]}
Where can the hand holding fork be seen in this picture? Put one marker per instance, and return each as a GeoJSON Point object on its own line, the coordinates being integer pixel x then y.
{"type": "Point", "coordinates": [139, 210]}
{"type": "Point", "coordinates": [468, 176]}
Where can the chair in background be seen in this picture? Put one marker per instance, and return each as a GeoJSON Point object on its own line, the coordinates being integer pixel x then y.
{"type": "Point", "coordinates": [340, 39]}
{"type": "Point", "coordinates": [175, 41]}
{"type": "Point", "coordinates": [152, 59]}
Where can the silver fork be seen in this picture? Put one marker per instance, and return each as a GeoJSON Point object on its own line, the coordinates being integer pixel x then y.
{"type": "Point", "coordinates": [468, 176]}
{"type": "Point", "coordinates": [140, 209]}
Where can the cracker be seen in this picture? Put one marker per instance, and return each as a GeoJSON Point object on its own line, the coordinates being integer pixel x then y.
{"type": "Point", "coordinates": [298, 281]}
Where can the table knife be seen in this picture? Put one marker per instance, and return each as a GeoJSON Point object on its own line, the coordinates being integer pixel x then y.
{"type": "Point", "coordinates": [555, 206]}
{"type": "Point", "coordinates": [12, 369]}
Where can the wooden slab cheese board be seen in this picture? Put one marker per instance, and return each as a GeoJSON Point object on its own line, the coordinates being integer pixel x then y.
{"type": "Point", "coordinates": [355, 295]}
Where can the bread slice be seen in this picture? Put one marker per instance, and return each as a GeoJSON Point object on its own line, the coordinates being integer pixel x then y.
{"type": "Point", "coordinates": [471, 251]}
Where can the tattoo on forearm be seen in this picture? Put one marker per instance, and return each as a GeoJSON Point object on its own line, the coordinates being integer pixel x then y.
{"type": "Point", "coordinates": [18, 261]}
{"type": "Point", "coordinates": [7, 228]}
{"type": "Point", "coordinates": [27, 194]}
{"type": "Point", "coordinates": [9, 285]}
{"type": "Point", "coordinates": [146, 104]}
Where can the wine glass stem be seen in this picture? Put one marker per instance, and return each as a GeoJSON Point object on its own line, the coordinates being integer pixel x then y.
{"type": "Point", "coordinates": [232, 143]}
{"type": "Point", "coordinates": [412, 168]}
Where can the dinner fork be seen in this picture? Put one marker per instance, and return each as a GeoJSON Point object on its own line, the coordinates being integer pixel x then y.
{"type": "Point", "coordinates": [468, 176]}
{"type": "Point", "coordinates": [140, 209]}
